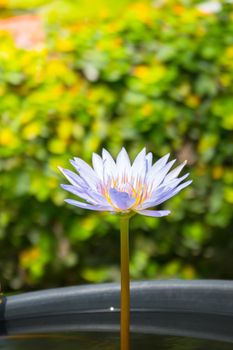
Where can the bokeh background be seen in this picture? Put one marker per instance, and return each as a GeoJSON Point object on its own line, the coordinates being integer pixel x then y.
{"type": "Point", "coordinates": [76, 76]}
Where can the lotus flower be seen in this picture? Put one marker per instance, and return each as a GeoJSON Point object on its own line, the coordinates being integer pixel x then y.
{"type": "Point", "coordinates": [121, 187]}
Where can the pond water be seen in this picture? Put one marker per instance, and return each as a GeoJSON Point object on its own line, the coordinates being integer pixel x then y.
{"type": "Point", "coordinates": [164, 316]}
{"type": "Point", "coordinates": [107, 341]}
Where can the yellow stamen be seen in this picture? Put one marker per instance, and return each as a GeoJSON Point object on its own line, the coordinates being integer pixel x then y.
{"type": "Point", "coordinates": [140, 191]}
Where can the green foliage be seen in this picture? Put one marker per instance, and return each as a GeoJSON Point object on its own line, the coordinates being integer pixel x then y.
{"type": "Point", "coordinates": [160, 77]}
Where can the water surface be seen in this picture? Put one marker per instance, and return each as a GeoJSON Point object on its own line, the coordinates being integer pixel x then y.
{"type": "Point", "coordinates": [107, 341]}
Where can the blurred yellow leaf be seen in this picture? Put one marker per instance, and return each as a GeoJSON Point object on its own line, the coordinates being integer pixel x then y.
{"type": "Point", "coordinates": [228, 176]}
{"type": "Point", "coordinates": [28, 256]}
{"type": "Point", "coordinates": [53, 182]}
{"type": "Point", "coordinates": [57, 146]}
{"type": "Point", "coordinates": [56, 68]}
{"type": "Point", "coordinates": [55, 161]}
{"type": "Point", "coordinates": [228, 194]}
{"type": "Point", "coordinates": [65, 129]}
{"type": "Point", "coordinates": [229, 52]}
{"type": "Point", "coordinates": [147, 109]}
{"type": "Point", "coordinates": [188, 272]}
{"type": "Point", "coordinates": [142, 11]}
{"type": "Point", "coordinates": [8, 138]}
{"type": "Point", "coordinates": [3, 3]}
{"type": "Point", "coordinates": [32, 130]}
{"type": "Point", "coordinates": [26, 116]}
{"type": "Point", "coordinates": [97, 274]}
{"type": "Point", "coordinates": [227, 122]}
{"type": "Point", "coordinates": [150, 74]}
{"type": "Point", "coordinates": [217, 172]}
{"type": "Point", "coordinates": [65, 44]}
{"type": "Point", "coordinates": [172, 268]}
{"type": "Point", "coordinates": [2, 89]}
{"type": "Point", "coordinates": [208, 141]}
{"type": "Point", "coordinates": [78, 131]}
{"type": "Point", "coordinates": [225, 79]}
{"type": "Point", "coordinates": [192, 101]}
{"type": "Point", "coordinates": [89, 223]}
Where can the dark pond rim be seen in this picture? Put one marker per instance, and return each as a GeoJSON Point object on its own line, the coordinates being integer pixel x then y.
{"type": "Point", "coordinates": [196, 308]}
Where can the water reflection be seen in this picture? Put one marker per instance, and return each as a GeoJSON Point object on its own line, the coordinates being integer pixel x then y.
{"type": "Point", "coordinates": [107, 341]}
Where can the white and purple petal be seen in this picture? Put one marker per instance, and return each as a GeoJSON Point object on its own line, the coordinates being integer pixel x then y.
{"type": "Point", "coordinates": [109, 166]}
{"type": "Point", "coordinates": [121, 200]}
{"type": "Point", "coordinates": [89, 206]}
{"type": "Point", "coordinates": [161, 162]}
{"type": "Point", "coordinates": [97, 163]}
{"type": "Point", "coordinates": [123, 164]}
{"type": "Point", "coordinates": [154, 213]}
{"type": "Point", "coordinates": [174, 173]}
{"type": "Point", "coordinates": [139, 168]}
{"type": "Point", "coordinates": [155, 177]}
{"type": "Point", "coordinates": [73, 178]}
{"type": "Point", "coordinates": [89, 195]}
{"type": "Point", "coordinates": [86, 172]}
{"type": "Point", "coordinates": [164, 188]}
{"type": "Point", "coordinates": [79, 193]}
{"type": "Point", "coordinates": [166, 195]}
{"type": "Point", "coordinates": [149, 159]}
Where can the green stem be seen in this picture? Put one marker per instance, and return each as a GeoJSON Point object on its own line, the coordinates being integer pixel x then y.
{"type": "Point", "coordinates": [125, 290]}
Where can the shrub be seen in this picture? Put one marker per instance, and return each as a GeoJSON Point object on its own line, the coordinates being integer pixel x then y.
{"type": "Point", "coordinates": [155, 76]}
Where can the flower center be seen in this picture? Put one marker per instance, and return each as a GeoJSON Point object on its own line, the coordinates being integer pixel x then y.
{"type": "Point", "coordinates": [134, 187]}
